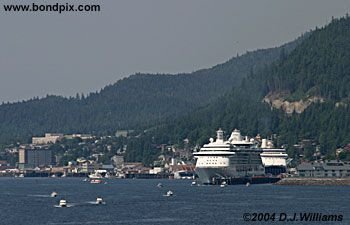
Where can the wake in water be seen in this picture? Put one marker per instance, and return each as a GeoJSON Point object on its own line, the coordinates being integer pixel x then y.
{"type": "Point", "coordinates": [40, 196]}
{"type": "Point", "coordinates": [89, 203]}
{"type": "Point", "coordinates": [96, 203]}
{"type": "Point", "coordinates": [67, 206]}
{"type": "Point", "coordinates": [80, 204]}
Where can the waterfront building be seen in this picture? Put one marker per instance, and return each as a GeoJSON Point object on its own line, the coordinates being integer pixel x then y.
{"type": "Point", "coordinates": [118, 161]}
{"type": "Point", "coordinates": [331, 168]}
{"type": "Point", "coordinates": [31, 156]}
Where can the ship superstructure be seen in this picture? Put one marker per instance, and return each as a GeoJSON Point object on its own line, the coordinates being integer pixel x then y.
{"type": "Point", "coordinates": [273, 159]}
{"type": "Point", "coordinates": [234, 158]}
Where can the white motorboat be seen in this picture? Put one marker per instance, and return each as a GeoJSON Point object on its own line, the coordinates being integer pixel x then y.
{"type": "Point", "coordinates": [63, 203]}
{"type": "Point", "coordinates": [99, 200]}
{"type": "Point", "coordinates": [223, 184]}
{"type": "Point", "coordinates": [169, 193]}
{"type": "Point", "coordinates": [95, 181]}
{"type": "Point", "coordinates": [95, 176]}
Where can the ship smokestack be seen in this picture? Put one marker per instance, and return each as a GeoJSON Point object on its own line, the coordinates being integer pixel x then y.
{"type": "Point", "coordinates": [263, 143]}
{"type": "Point", "coordinates": [219, 135]}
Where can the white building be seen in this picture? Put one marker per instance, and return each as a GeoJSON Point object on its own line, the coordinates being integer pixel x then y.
{"type": "Point", "coordinates": [50, 138]}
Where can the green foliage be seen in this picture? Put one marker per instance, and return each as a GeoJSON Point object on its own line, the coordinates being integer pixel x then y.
{"type": "Point", "coordinates": [138, 101]}
{"type": "Point", "coordinates": [345, 156]}
{"type": "Point", "coordinates": [319, 66]}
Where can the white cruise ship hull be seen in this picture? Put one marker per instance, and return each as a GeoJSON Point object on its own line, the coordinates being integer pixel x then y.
{"type": "Point", "coordinates": [209, 175]}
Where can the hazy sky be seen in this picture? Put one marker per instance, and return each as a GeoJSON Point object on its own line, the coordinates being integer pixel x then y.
{"type": "Point", "coordinates": [49, 53]}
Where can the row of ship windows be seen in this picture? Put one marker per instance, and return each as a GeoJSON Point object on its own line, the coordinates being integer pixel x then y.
{"type": "Point", "coordinates": [213, 161]}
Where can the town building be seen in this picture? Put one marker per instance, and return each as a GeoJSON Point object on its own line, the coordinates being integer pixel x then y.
{"type": "Point", "coordinates": [118, 161]}
{"type": "Point", "coordinates": [122, 133]}
{"type": "Point", "coordinates": [50, 138]}
{"type": "Point", "coordinates": [31, 156]}
{"type": "Point", "coordinates": [81, 136]}
{"type": "Point", "coordinates": [331, 168]}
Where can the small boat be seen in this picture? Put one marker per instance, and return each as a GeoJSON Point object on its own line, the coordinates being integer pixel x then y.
{"type": "Point", "coordinates": [95, 176]}
{"type": "Point", "coordinates": [247, 184]}
{"type": "Point", "coordinates": [21, 175]}
{"type": "Point", "coordinates": [53, 194]}
{"type": "Point", "coordinates": [169, 194]}
{"type": "Point", "coordinates": [160, 185]}
{"type": "Point", "coordinates": [63, 203]}
{"type": "Point", "coordinates": [99, 200]}
{"type": "Point", "coordinates": [85, 179]}
{"type": "Point", "coordinates": [223, 184]}
{"type": "Point", "coordinates": [95, 181]}
{"type": "Point", "coordinates": [194, 183]}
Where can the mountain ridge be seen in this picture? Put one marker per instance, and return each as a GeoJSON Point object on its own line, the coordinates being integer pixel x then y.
{"type": "Point", "coordinates": [140, 100]}
{"type": "Point", "coordinates": [323, 73]}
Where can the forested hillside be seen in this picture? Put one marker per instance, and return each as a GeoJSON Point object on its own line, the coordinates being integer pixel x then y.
{"type": "Point", "coordinates": [138, 101]}
{"type": "Point", "coordinates": [319, 66]}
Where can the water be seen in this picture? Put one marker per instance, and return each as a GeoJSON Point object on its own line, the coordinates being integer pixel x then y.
{"type": "Point", "coordinates": [27, 201]}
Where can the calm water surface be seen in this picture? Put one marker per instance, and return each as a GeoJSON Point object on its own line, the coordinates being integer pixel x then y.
{"type": "Point", "coordinates": [26, 201]}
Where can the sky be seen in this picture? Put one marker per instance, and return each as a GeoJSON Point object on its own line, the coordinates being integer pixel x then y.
{"type": "Point", "coordinates": [80, 52]}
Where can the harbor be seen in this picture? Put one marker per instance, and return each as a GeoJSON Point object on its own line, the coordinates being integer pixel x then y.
{"type": "Point", "coordinates": [229, 159]}
{"type": "Point", "coordinates": [141, 201]}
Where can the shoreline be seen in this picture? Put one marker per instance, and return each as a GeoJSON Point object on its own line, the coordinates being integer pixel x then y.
{"type": "Point", "coordinates": [321, 181]}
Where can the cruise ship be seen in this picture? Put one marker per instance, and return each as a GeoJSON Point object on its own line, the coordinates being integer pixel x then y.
{"type": "Point", "coordinates": [236, 160]}
{"type": "Point", "coordinates": [273, 159]}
